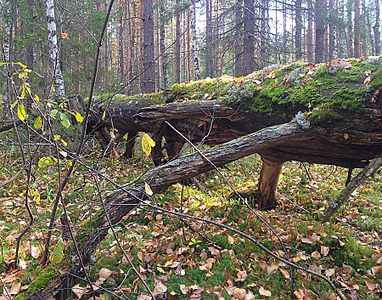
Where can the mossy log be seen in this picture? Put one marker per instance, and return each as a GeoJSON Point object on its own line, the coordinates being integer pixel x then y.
{"type": "Point", "coordinates": [121, 202]}
{"type": "Point", "coordinates": [342, 100]}
{"type": "Point", "coordinates": [346, 133]}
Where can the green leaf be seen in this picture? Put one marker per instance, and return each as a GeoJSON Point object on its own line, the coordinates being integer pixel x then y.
{"type": "Point", "coordinates": [21, 113]}
{"type": "Point", "coordinates": [14, 104]}
{"type": "Point", "coordinates": [64, 120]}
{"type": "Point", "coordinates": [58, 252]}
{"type": "Point", "coordinates": [53, 113]}
{"type": "Point", "coordinates": [38, 123]}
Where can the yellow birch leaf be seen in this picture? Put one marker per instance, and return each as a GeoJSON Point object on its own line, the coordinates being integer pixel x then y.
{"type": "Point", "coordinates": [147, 144]}
{"type": "Point", "coordinates": [38, 123]}
{"type": "Point", "coordinates": [21, 112]}
{"type": "Point", "coordinates": [148, 190]}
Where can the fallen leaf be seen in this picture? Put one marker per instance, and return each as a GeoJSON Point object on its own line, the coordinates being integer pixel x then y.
{"type": "Point", "coordinates": [15, 288]}
{"type": "Point", "coordinates": [160, 288]}
{"type": "Point", "coordinates": [264, 292]}
{"type": "Point", "coordinates": [367, 80]}
{"type": "Point", "coordinates": [285, 273]}
{"type": "Point", "coordinates": [299, 294]}
{"type": "Point", "coordinates": [325, 250]}
{"type": "Point", "coordinates": [316, 255]}
{"type": "Point", "coordinates": [239, 293]}
{"type": "Point", "coordinates": [35, 252]}
{"type": "Point", "coordinates": [184, 289]}
{"type": "Point", "coordinates": [329, 272]}
{"type": "Point", "coordinates": [241, 276]}
{"type": "Point", "coordinates": [104, 273]}
{"type": "Point", "coordinates": [78, 291]}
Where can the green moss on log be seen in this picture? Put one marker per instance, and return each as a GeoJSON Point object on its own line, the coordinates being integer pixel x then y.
{"type": "Point", "coordinates": [41, 281]}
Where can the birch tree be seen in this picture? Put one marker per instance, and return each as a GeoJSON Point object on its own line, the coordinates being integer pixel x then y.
{"type": "Point", "coordinates": [54, 64]}
{"type": "Point", "coordinates": [194, 40]}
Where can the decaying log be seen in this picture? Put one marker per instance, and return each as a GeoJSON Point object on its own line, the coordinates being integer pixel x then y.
{"type": "Point", "coordinates": [122, 201]}
{"type": "Point", "coordinates": [342, 99]}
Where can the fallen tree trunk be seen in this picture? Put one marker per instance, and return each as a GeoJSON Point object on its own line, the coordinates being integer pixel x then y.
{"type": "Point", "coordinates": [122, 201]}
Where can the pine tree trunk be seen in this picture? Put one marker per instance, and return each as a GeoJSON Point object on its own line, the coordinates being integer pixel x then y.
{"type": "Point", "coordinates": [194, 40]}
{"type": "Point", "coordinates": [163, 46]}
{"type": "Point", "coordinates": [148, 80]}
{"type": "Point", "coordinates": [55, 69]}
{"type": "Point", "coordinates": [249, 39]}
{"type": "Point", "coordinates": [298, 30]}
{"type": "Point", "coordinates": [310, 32]}
{"type": "Point", "coordinates": [350, 28]}
{"type": "Point", "coordinates": [320, 12]}
{"type": "Point", "coordinates": [238, 36]}
{"type": "Point", "coordinates": [333, 51]}
{"type": "Point", "coordinates": [357, 40]}
{"type": "Point", "coordinates": [209, 49]}
{"type": "Point", "coordinates": [177, 42]}
{"type": "Point", "coordinates": [377, 34]}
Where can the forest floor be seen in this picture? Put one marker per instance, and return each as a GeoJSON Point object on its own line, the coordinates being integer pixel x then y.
{"type": "Point", "coordinates": [189, 259]}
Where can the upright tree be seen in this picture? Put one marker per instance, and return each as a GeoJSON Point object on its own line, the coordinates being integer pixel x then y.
{"type": "Point", "coordinates": [209, 39]}
{"type": "Point", "coordinates": [163, 45]}
{"type": "Point", "coordinates": [238, 38]}
{"type": "Point", "coordinates": [320, 22]}
{"type": "Point", "coordinates": [55, 69]}
{"type": "Point", "coordinates": [148, 80]}
{"type": "Point", "coordinates": [194, 40]}
{"type": "Point", "coordinates": [357, 36]}
{"type": "Point", "coordinates": [249, 37]}
{"type": "Point", "coordinates": [377, 34]}
{"type": "Point", "coordinates": [298, 30]}
{"type": "Point", "coordinates": [177, 41]}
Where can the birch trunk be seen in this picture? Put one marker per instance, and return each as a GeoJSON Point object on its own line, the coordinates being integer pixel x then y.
{"type": "Point", "coordinates": [194, 40]}
{"type": "Point", "coordinates": [55, 69]}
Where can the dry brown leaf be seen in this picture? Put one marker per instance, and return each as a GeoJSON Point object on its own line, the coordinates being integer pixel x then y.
{"type": "Point", "coordinates": [272, 269]}
{"type": "Point", "coordinates": [264, 292]}
{"type": "Point", "coordinates": [104, 273]}
{"type": "Point", "coordinates": [239, 293]}
{"type": "Point", "coordinates": [231, 240]}
{"type": "Point", "coordinates": [214, 251]}
{"type": "Point", "coordinates": [299, 294]}
{"type": "Point", "coordinates": [184, 289]}
{"type": "Point", "coordinates": [329, 272]}
{"type": "Point", "coordinates": [15, 288]}
{"type": "Point", "coordinates": [144, 297]}
{"type": "Point", "coordinates": [316, 255]}
{"type": "Point", "coordinates": [35, 252]}
{"type": "Point", "coordinates": [285, 273]}
{"type": "Point", "coordinates": [160, 288]}
{"type": "Point", "coordinates": [367, 80]}
{"type": "Point", "coordinates": [241, 276]}
{"type": "Point", "coordinates": [78, 291]}
{"type": "Point", "coordinates": [325, 250]}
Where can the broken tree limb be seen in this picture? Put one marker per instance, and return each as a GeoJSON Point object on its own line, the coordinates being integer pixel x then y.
{"type": "Point", "coordinates": [122, 201]}
{"type": "Point", "coordinates": [344, 195]}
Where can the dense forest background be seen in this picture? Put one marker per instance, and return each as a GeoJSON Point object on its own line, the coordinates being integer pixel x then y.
{"type": "Point", "coordinates": [150, 45]}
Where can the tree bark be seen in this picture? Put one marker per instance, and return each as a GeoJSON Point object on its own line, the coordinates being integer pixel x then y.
{"type": "Point", "coordinates": [177, 42]}
{"type": "Point", "coordinates": [377, 34]}
{"type": "Point", "coordinates": [55, 68]}
{"type": "Point", "coordinates": [249, 37]}
{"type": "Point", "coordinates": [163, 46]}
{"type": "Point", "coordinates": [194, 40]}
{"type": "Point", "coordinates": [238, 37]}
{"type": "Point", "coordinates": [298, 30]}
{"type": "Point", "coordinates": [357, 37]}
{"type": "Point", "coordinates": [320, 24]}
{"type": "Point", "coordinates": [267, 187]}
{"type": "Point", "coordinates": [148, 80]}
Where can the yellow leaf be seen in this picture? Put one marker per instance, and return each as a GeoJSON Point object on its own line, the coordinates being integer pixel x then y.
{"type": "Point", "coordinates": [147, 144]}
{"type": "Point", "coordinates": [104, 116]}
{"type": "Point", "coordinates": [78, 116]}
{"type": "Point", "coordinates": [37, 98]}
{"type": "Point", "coordinates": [38, 123]}
{"type": "Point", "coordinates": [21, 112]}
{"type": "Point", "coordinates": [148, 190]}
{"type": "Point", "coordinates": [64, 143]}
{"type": "Point", "coordinates": [58, 252]}
{"type": "Point", "coordinates": [64, 35]}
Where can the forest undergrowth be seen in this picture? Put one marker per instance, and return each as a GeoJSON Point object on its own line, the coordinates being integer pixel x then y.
{"type": "Point", "coordinates": [183, 258]}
